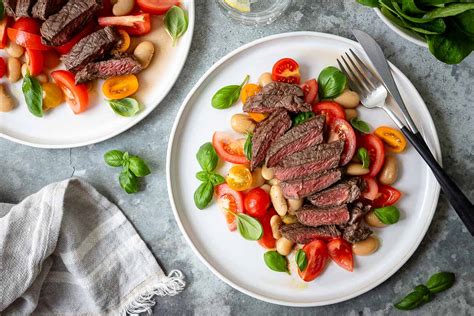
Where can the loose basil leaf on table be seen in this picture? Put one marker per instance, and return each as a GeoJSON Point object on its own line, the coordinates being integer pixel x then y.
{"type": "Point", "coordinates": [360, 125]}
{"type": "Point", "coordinates": [125, 107]}
{"type": "Point", "coordinates": [128, 181]}
{"type": "Point", "coordinates": [332, 83]}
{"type": "Point", "coordinates": [207, 157]}
{"type": "Point", "coordinates": [249, 227]}
{"type": "Point", "coordinates": [302, 117]}
{"type": "Point", "coordinates": [275, 261]}
{"type": "Point", "coordinates": [440, 281]}
{"type": "Point", "coordinates": [114, 158]}
{"type": "Point", "coordinates": [388, 214]}
{"type": "Point", "coordinates": [138, 166]}
{"type": "Point", "coordinates": [33, 93]}
{"type": "Point", "coordinates": [420, 295]}
{"type": "Point", "coordinates": [301, 259]}
{"type": "Point", "coordinates": [203, 195]}
{"type": "Point", "coordinates": [363, 155]}
{"type": "Point", "coordinates": [176, 23]}
{"type": "Point", "coordinates": [248, 146]}
{"type": "Point", "coordinates": [228, 95]}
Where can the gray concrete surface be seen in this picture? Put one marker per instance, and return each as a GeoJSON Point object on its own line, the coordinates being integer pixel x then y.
{"type": "Point", "coordinates": [447, 90]}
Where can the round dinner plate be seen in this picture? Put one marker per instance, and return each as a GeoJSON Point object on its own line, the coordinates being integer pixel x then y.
{"type": "Point", "coordinates": [239, 262]}
{"type": "Point", "coordinates": [60, 128]}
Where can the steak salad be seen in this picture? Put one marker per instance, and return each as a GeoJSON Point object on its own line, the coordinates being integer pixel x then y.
{"type": "Point", "coordinates": [308, 179]}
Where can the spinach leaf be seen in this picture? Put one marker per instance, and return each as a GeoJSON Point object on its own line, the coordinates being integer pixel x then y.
{"type": "Point", "coordinates": [369, 3]}
{"type": "Point", "coordinates": [465, 21]}
{"type": "Point", "coordinates": [114, 158]}
{"type": "Point", "coordinates": [332, 83]}
{"type": "Point", "coordinates": [275, 261]}
{"type": "Point", "coordinates": [176, 22]}
{"type": "Point", "coordinates": [138, 166]}
{"type": "Point", "coordinates": [452, 46]}
{"type": "Point", "coordinates": [203, 195]}
{"type": "Point", "coordinates": [249, 227]}
{"type": "Point", "coordinates": [128, 181]}
{"type": "Point", "coordinates": [228, 95]}
{"type": "Point", "coordinates": [449, 10]}
{"type": "Point", "coordinates": [301, 118]}
{"type": "Point", "coordinates": [301, 260]}
{"type": "Point", "coordinates": [125, 107]}
{"type": "Point", "coordinates": [207, 157]}
{"type": "Point", "coordinates": [388, 214]}
{"type": "Point", "coordinates": [410, 7]}
{"type": "Point", "coordinates": [440, 281]}
{"type": "Point", "coordinates": [363, 155]}
{"type": "Point", "coordinates": [360, 125]}
{"type": "Point", "coordinates": [248, 146]}
{"type": "Point", "coordinates": [33, 93]}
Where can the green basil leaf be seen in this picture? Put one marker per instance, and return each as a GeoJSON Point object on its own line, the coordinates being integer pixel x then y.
{"type": "Point", "coordinates": [412, 300]}
{"type": "Point", "coordinates": [301, 118]}
{"type": "Point", "coordinates": [207, 157]}
{"type": "Point", "coordinates": [216, 179]}
{"type": "Point", "coordinates": [301, 260]}
{"type": "Point", "coordinates": [248, 146]}
{"type": "Point", "coordinates": [113, 158]}
{"type": "Point", "coordinates": [128, 181]}
{"type": "Point", "coordinates": [388, 214]}
{"type": "Point", "coordinates": [275, 261]}
{"type": "Point", "coordinates": [332, 83]}
{"type": "Point", "coordinates": [125, 107]}
{"type": "Point", "coordinates": [360, 125]}
{"type": "Point", "coordinates": [440, 281]}
{"type": "Point", "coordinates": [33, 93]}
{"type": "Point", "coordinates": [363, 155]}
{"type": "Point", "coordinates": [203, 176]}
{"type": "Point", "coordinates": [138, 167]}
{"type": "Point", "coordinates": [249, 227]}
{"type": "Point", "coordinates": [203, 195]}
{"type": "Point", "coordinates": [228, 95]}
{"type": "Point", "coordinates": [369, 3]}
{"type": "Point", "coordinates": [176, 22]}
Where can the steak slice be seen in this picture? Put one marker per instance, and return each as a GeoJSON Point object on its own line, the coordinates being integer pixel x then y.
{"type": "Point", "coordinates": [266, 132]}
{"type": "Point", "coordinates": [345, 192]}
{"type": "Point", "coordinates": [92, 47]}
{"type": "Point", "coordinates": [358, 211]}
{"type": "Point", "coordinates": [303, 187]}
{"type": "Point", "coordinates": [23, 8]}
{"type": "Point", "coordinates": [302, 234]}
{"type": "Point", "coordinates": [276, 95]}
{"type": "Point", "coordinates": [356, 232]}
{"type": "Point", "coordinates": [314, 216]}
{"type": "Point", "coordinates": [10, 7]}
{"type": "Point", "coordinates": [59, 28]}
{"type": "Point", "coordinates": [45, 8]}
{"type": "Point", "coordinates": [108, 68]}
{"type": "Point", "coordinates": [296, 139]}
{"type": "Point", "coordinates": [310, 161]}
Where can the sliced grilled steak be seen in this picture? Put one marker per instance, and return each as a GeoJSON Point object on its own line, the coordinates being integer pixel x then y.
{"type": "Point", "coordinates": [310, 161]}
{"type": "Point", "coordinates": [10, 7]}
{"type": "Point", "coordinates": [303, 187]}
{"type": "Point", "coordinates": [266, 133]}
{"type": "Point", "coordinates": [358, 211]}
{"type": "Point", "coordinates": [302, 234]}
{"type": "Point", "coordinates": [108, 68]}
{"type": "Point", "coordinates": [276, 95]}
{"type": "Point", "coordinates": [296, 139]}
{"type": "Point", "coordinates": [23, 8]}
{"type": "Point", "coordinates": [345, 192]}
{"type": "Point", "coordinates": [92, 47]}
{"type": "Point", "coordinates": [356, 232]}
{"type": "Point", "coordinates": [59, 28]}
{"type": "Point", "coordinates": [314, 216]}
{"type": "Point", "coordinates": [44, 8]}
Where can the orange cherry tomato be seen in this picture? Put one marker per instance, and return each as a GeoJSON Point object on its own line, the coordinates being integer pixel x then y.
{"type": "Point", "coordinates": [77, 96]}
{"type": "Point", "coordinates": [52, 96]}
{"type": "Point", "coordinates": [124, 41]}
{"type": "Point", "coordinates": [239, 178]}
{"type": "Point", "coordinates": [258, 117]}
{"type": "Point", "coordinates": [120, 87]}
{"type": "Point", "coordinates": [249, 90]}
{"type": "Point", "coordinates": [393, 138]}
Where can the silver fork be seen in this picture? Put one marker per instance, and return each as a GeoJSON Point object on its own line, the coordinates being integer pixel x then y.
{"type": "Point", "coordinates": [373, 94]}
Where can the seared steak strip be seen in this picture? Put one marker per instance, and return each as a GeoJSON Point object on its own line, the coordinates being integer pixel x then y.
{"type": "Point", "coordinates": [44, 8]}
{"type": "Point", "coordinates": [358, 211]}
{"type": "Point", "coordinates": [23, 8]}
{"type": "Point", "coordinates": [313, 216]}
{"type": "Point", "coordinates": [108, 68]}
{"type": "Point", "coordinates": [303, 187]}
{"type": "Point", "coordinates": [10, 7]}
{"type": "Point", "coordinates": [356, 232]}
{"type": "Point", "coordinates": [345, 192]}
{"type": "Point", "coordinates": [302, 234]}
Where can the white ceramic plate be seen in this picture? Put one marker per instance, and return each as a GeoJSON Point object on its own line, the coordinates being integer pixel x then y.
{"type": "Point", "coordinates": [62, 129]}
{"type": "Point", "coordinates": [239, 262]}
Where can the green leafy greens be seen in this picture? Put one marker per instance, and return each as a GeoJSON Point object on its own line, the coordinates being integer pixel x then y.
{"type": "Point", "coordinates": [125, 107]}
{"type": "Point", "coordinates": [388, 214]}
{"type": "Point", "coordinates": [301, 259]}
{"type": "Point", "coordinates": [133, 167]}
{"type": "Point", "coordinates": [363, 155]}
{"type": "Point", "coordinates": [228, 95]}
{"type": "Point", "coordinates": [332, 83]}
{"type": "Point", "coordinates": [248, 146]}
{"type": "Point", "coordinates": [176, 23]}
{"type": "Point", "coordinates": [33, 93]}
{"type": "Point", "coordinates": [275, 261]}
{"type": "Point", "coordinates": [360, 125]}
{"type": "Point", "coordinates": [302, 117]}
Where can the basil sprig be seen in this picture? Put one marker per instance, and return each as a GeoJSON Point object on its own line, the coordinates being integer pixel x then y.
{"type": "Point", "coordinates": [125, 107]}
{"type": "Point", "coordinates": [248, 227]}
{"type": "Point", "coordinates": [360, 125]}
{"type": "Point", "coordinates": [363, 155]}
{"type": "Point", "coordinates": [248, 146]}
{"type": "Point", "coordinates": [440, 281]}
{"type": "Point", "coordinates": [275, 261]}
{"type": "Point", "coordinates": [302, 117]}
{"type": "Point", "coordinates": [33, 93]}
{"type": "Point", "coordinates": [228, 95]}
{"type": "Point", "coordinates": [133, 167]}
{"type": "Point", "coordinates": [176, 23]}
{"type": "Point", "coordinates": [388, 214]}
{"type": "Point", "coordinates": [332, 83]}
{"type": "Point", "coordinates": [301, 259]}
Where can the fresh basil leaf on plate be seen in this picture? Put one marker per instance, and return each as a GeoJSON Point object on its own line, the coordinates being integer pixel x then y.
{"type": "Point", "coordinates": [203, 176]}
{"type": "Point", "coordinates": [203, 195]}
{"type": "Point", "coordinates": [207, 157]}
{"type": "Point", "coordinates": [360, 125]}
{"type": "Point", "coordinates": [125, 107]}
{"type": "Point", "coordinates": [33, 93]}
{"type": "Point", "coordinates": [363, 155]}
{"type": "Point", "coordinates": [128, 181]}
{"type": "Point", "coordinates": [249, 227]}
{"type": "Point", "coordinates": [138, 167]}
{"type": "Point", "coordinates": [216, 179]}
{"type": "Point", "coordinates": [302, 117]}
{"type": "Point", "coordinates": [228, 95]}
{"type": "Point", "coordinates": [332, 83]}
{"type": "Point", "coordinates": [176, 23]}
{"type": "Point", "coordinates": [248, 146]}
{"type": "Point", "coordinates": [114, 158]}
{"type": "Point", "coordinates": [301, 260]}
{"type": "Point", "coordinates": [388, 214]}
{"type": "Point", "coordinates": [440, 281]}
{"type": "Point", "coordinates": [275, 261]}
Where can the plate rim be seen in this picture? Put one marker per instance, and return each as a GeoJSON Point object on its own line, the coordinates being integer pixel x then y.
{"type": "Point", "coordinates": [171, 143]}
{"type": "Point", "coordinates": [187, 47]}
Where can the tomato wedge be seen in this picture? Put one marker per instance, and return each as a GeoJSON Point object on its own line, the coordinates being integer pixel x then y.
{"type": "Point", "coordinates": [66, 48]}
{"type": "Point", "coordinates": [387, 196]}
{"type": "Point", "coordinates": [25, 39]}
{"type": "Point", "coordinates": [231, 200]}
{"type": "Point", "coordinates": [77, 96]}
{"type": "Point", "coordinates": [139, 24]}
{"type": "Point", "coordinates": [371, 188]}
{"type": "Point", "coordinates": [35, 61]}
{"type": "Point", "coordinates": [317, 256]}
{"type": "Point", "coordinates": [3, 32]}
{"type": "Point", "coordinates": [330, 109]}
{"type": "Point", "coordinates": [340, 252]}
{"type": "Point", "coordinates": [393, 138]}
{"type": "Point", "coordinates": [267, 241]}
{"type": "Point", "coordinates": [310, 89]}
{"type": "Point", "coordinates": [374, 146]}
{"type": "Point", "coordinates": [3, 67]}
{"type": "Point", "coordinates": [286, 70]}
{"type": "Point", "coordinates": [156, 6]}
{"type": "Point", "coordinates": [29, 25]}
{"type": "Point", "coordinates": [228, 148]}
{"type": "Point", "coordinates": [341, 129]}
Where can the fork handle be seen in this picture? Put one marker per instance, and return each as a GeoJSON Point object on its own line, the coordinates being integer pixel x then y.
{"type": "Point", "coordinates": [456, 197]}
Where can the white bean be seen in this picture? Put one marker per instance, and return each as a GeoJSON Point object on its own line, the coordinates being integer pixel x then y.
{"type": "Point", "coordinates": [355, 169]}
{"type": "Point", "coordinates": [274, 181]}
{"type": "Point", "coordinates": [350, 114]}
{"type": "Point", "coordinates": [275, 223]}
{"type": "Point", "coordinates": [265, 79]}
{"type": "Point", "coordinates": [372, 220]}
{"type": "Point", "coordinates": [13, 69]}
{"type": "Point", "coordinates": [14, 50]}
{"type": "Point", "coordinates": [294, 205]}
{"type": "Point", "coordinates": [144, 53]}
{"type": "Point", "coordinates": [289, 219]}
{"type": "Point", "coordinates": [284, 246]}
{"type": "Point", "coordinates": [389, 173]}
{"type": "Point", "coordinates": [365, 247]}
{"type": "Point", "coordinates": [348, 99]}
{"type": "Point", "coordinates": [257, 179]}
{"type": "Point", "coordinates": [278, 201]}
{"type": "Point", "coordinates": [266, 188]}
{"type": "Point", "coordinates": [268, 173]}
{"type": "Point", "coordinates": [242, 123]}
{"type": "Point", "coordinates": [123, 7]}
{"type": "Point", "coordinates": [6, 102]}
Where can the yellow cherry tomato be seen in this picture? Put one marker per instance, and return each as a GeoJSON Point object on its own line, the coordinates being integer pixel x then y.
{"type": "Point", "coordinates": [239, 178]}
{"type": "Point", "coordinates": [249, 90]}
{"type": "Point", "coordinates": [52, 96]}
{"type": "Point", "coordinates": [258, 117]}
{"type": "Point", "coordinates": [124, 43]}
{"type": "Point", "coordinates": [120, 87]}
{"type": "Point", "coordinates": [393, 138]}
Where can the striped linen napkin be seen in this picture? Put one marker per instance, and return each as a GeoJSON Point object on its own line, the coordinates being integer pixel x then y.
{"type": "Point", "coordinates": [67, 250]}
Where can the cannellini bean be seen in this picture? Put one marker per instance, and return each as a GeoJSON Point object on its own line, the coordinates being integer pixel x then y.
{"type": "Point", "coordinates": [242, 123]}
{"type": "Point", "coordinates": [268, 173]}
{"type": "Point", "coordinates": [350, 114]}
{"type": "Point", "coordinates": [294, 205]}
{"type": "Point", "coordinates": [372, 220]}
{"type": "Point", "coordinates": [348, 99]}
{"type": "Point", "coordinates": [355, 169]}
{"type": "Point", "coordinates": [13, 69]}
{"type": "Point", "coordinates": [274, 181]}
{"type": "Point", "coordinates": [265, 79]}
{"type": "Point", "coordinates": [389, 173]}
{"type": "Point", "coordinates": [24, 69]}
{"type": "Point", "coordinates": [284, 246]}
{"type": "Point", "coordinates": [289, 219]}
{"type": "Point", "coordinates": [144, 53]}
{"type": "Point", "coordinates": [123, 7]}
{"type": "Point", "coordinates": [6, 102]}
{"type": "Point", "coordinates": [365, 247]}
{"type": "Point", "coordinates": [14, 50]}
{"type": "Point", "coordinates": [266, 188]}
{"type": "Point", "coordinates": [275, 223]}
{"type": "Point", "coordinates": [42, 78]}
{"type": "Point", "coordinates": [278, 200]}
{"type": "Point", "coordinates": [257, 179]}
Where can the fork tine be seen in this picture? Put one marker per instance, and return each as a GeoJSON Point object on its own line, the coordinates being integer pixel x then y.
{"type": "Point", "coordinates": [364, 79]}
{"type": "Point", "coordinates": [355, 78]}
{"type": "Point", "coordinates": [368, 72]}
{"type": "Point", "coordinates": [352, 83]}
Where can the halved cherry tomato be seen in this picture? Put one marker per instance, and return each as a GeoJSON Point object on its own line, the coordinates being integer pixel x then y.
{"type": "Point", "coordinates": [239, 178]}
{"type": "Point", "coordinates": [250, 89]}
{"type": "Point", "coordinates": [286, 70]}
{"type": "Point", "coordinates": [66, 48]}
{"type": "Point", "coordinates": [341, 129]}
{"type": "Point", "coordinates": [387, 196]}
{"type": "Point", "coordinates": [330, 109]}
{"type": "Point", "coordinates": [228, 148]}
{"type": "Point", "coordinates": [77, 96]}
{"type": "Point", "coordinates": [340, 252]}
{"type": "Point", "coordinates": [120, 87]}
{"type": "Point", "coordinates": [124, 41]}
{"type": "Point", "coordinates": [139, 24]}
{"type": "Point", "coordinates": [3, 32]}
{"type": "Point", "coordinates": [3, 67]}
{"type": "Point", "coordinates": [231, 200]}
{"type": "Point", "coordinates": [267, 241]}
{"type": "Point", "coordinates": [393, 138]}
{"type": "Point", "coordinates": [52, 96]}
{"type": "Point", "coordinates": [35, 61]}
{"type": "Point", "coordinates": [26, 39]}
{"type": "Point", "coordinates": [156, 6]}
{"type": "Point", "coordinates": [29, 25]}
{"type": "Point", "coordinates": [317, 256]}
{"type": "Point", "coordinates": [257, 202]}
{"type": "Point", "coordinates": [374, 146]}
{"type": "Point", "coordinates": [371, 189]}
{"type": "Point", "coordinates": [310, 89]}
{"type": "Point", "coordinates": [258, 117]}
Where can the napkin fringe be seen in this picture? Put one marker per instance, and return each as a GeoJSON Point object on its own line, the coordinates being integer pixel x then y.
{"type": "Point", "coordinates": [169, 286]}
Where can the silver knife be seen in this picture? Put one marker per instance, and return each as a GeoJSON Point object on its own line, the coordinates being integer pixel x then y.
{"type": "Point", "coordinates": [376, 56]}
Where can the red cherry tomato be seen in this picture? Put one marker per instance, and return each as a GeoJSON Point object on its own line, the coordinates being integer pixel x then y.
{"type": "Point", "coordinates": [231, 200]}
{"type": "Point", "coordinates": [77, 96]}
{"type": "Point", "coordinates": [3, 67]}
{"type": "Point", "coordinates": [286, 70]}
{"type": "Point", "coordinates": [340, 252]}
{"type": "Point", "coordinates": [228, 148]}
{"type": "Point", "coordinates": [330, 109]}
{"type": "Point", "coordinates": [35, 61]}
{"type": "Point", "coordinates": [267, 241]}
{"type": "Point", "coordinates": [139, 24]}
{"type": "Point", "coordinates": [317, 256]}
{"type": "Point", "coordinates": [26, 39]}
{"type": "Point", "coordinates": [374, 146]}
{"type": "Point", "coordinates": [156, 6]}
{"type": "Point", "coordinates": [387, 196]}
{"type": "Point", "coordinates": [29, 25]}
{"type": "Point", "coordinates": [310, 89]}
{"type": "Point", "coordinates": [371, 188]}
{"type": "Point", "coordinates": [341, 129]}
{"type": "Point", "coordinates": [3, 32]}
{"type": "Point", "coordinates": [257, 202]}
{"type": "Point", "coordinates": [66, 48]}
